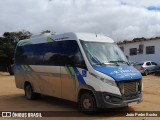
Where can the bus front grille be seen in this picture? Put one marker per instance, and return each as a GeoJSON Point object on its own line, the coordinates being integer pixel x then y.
{"type": "Point", "coordinates": [130, 87]}
{"type": "Point", "coordinates": [130, 90]}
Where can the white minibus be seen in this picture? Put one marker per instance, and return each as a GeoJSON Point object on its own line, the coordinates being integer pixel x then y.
{"type": "Point", "coordinates": [85, 68]}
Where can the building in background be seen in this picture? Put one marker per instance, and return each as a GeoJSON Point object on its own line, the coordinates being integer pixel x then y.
{"type": "Point", "coordinates": [142, 49]}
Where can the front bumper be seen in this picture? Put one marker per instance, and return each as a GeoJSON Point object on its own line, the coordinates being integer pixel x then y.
{"type": "Point", "coordinates": [109, 100]}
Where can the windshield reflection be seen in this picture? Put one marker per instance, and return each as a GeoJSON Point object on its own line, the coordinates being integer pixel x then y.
{"type": "Point", "coordinates": [102, 53]}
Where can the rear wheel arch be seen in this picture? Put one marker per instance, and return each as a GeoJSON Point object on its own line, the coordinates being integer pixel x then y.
{"type": "Point", "coordinates": [29, 91]}
{"type": "Point", "coordinates": [27, 83]}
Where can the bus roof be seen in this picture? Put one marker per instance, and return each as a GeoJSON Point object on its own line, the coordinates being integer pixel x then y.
{"type": "Point", "coordinates": [94, 37]}
{"type": "Point", "coordinates": [66, 36]}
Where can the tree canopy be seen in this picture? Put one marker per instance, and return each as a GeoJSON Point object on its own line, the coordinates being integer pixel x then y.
{"type": "Point", "coordinates": [8, 44]}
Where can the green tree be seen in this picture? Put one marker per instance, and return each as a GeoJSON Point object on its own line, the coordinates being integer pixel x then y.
{"type": "Point", "coordinates": [45, 31]}
{"type": "Point", "coordinates": [8, 44]}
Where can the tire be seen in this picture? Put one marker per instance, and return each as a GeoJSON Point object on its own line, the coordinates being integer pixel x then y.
{"type": "Point", "coordinates": [146, 72]}
{"type": "Point", "coordinates": [87, 103]}
{"type": "Point", "coordinates": [11, 71]}
{"type": "Point", "coordinates": [29, 94]}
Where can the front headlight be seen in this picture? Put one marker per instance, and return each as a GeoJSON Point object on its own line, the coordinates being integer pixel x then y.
{"type": "Point", "coordinates": [110, 82]}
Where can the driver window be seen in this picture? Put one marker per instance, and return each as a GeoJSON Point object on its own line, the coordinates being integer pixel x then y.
{"type": "Point", "coordinates": [148, 63]}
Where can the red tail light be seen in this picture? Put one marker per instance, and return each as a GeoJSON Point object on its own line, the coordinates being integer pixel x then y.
{"type": "Point", "coordinates": [142, 68]}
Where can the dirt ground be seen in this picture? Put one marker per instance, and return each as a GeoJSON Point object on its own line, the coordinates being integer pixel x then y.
{"type": "Point", "coordinates": [12, 99]}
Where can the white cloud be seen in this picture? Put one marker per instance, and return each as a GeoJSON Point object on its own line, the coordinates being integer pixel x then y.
{"type": "Point", "coordinates": [119, 19]}
{"type": "Point", "coordinates": [142, 3]}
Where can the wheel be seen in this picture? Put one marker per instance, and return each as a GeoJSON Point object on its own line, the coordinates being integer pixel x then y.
{"type": "Point", "coordinates": [146, 72]}
{"type": "Point", "coordinates": [11, 71]}
{"type": "Point", "coordinates": [87, 103]}
{"type": "Point", "coordinates": [29, 94]}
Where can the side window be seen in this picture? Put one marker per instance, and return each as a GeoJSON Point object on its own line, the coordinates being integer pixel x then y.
{"type": "Point", "coordinates": [19, 57]}
{"type": "Point", "coordinates": [71, 54]}
{"type": "Point", "coordinates": [153, 63]}
{"type": "Point", "coordinates": [150, 50]}
{"type": "Point", "coordinates": [52, 54]}
{"type": "Point", "coordinates": [148, 63]}
{"type": "Point", "coordinates": [61, 53]}
{"type": "Point", "coordinates": [30, 54]}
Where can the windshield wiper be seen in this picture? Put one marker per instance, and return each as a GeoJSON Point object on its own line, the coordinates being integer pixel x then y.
{"type": "Point", "coordinates": [105, 63]}
{"type": "Point", "coordinates": [120, 61]}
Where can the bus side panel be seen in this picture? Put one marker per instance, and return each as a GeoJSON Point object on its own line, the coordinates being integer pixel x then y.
{"type": "Point", "coordinates": [23, 74]}
{"type": "Point", "coordinates": [48, 79]}
{"type": "Point", "coordinates": [68, 85]}
{"type": "Point", "coordinates": [19, 79]}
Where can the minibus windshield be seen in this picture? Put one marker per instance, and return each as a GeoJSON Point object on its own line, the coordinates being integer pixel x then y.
{"type": "Point", "coordinates": [104, 54]}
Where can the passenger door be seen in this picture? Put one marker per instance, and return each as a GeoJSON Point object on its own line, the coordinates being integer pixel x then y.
{"type": "Point", "coordinates": [71, 60]}
{"type": "Point", "coordinates": [154, 66]}
{"type": "Point", "coordinates": [68, 50]}
{"type": "Point", "coordinates": [148, 66]}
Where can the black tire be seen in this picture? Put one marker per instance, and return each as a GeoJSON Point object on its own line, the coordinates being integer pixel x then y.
{"type": "Point", "coordinates": [29, 94]}
{"type": "Point", "coordinates": [87, 103]}
{"type": "Point", "coordinates": [11, 71]}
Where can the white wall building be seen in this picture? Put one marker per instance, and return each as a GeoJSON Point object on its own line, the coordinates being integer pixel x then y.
{"type": "Point", "coordinates": [141, 49]}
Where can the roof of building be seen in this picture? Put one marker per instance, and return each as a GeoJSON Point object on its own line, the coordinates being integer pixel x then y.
{"type": "Point", "coordinates": [138, 40]}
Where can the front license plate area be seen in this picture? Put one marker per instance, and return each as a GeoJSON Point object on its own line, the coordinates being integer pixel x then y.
{"type": "Point", "coordinates": [132, 103]}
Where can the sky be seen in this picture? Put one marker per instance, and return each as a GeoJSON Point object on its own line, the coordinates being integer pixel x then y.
{"type": "Point", "coordinates": [118, 19]}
